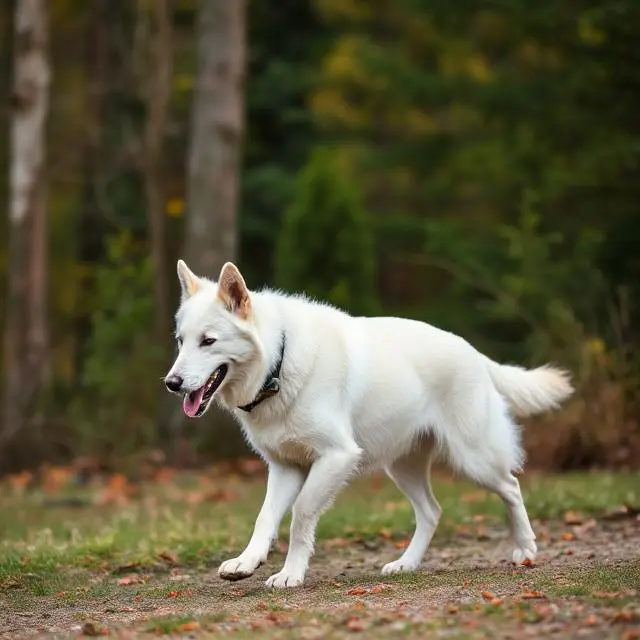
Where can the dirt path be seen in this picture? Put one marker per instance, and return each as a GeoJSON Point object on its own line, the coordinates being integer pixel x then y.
{"type": "Point", "coordinates": [586, 584]}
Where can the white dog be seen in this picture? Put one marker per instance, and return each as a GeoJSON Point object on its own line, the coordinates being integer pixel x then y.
{"type": "Point", "coordinates": [322, 395]}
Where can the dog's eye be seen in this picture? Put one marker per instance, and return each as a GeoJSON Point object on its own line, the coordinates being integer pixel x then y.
{"type": "Point", "coordinates": [207, 342]}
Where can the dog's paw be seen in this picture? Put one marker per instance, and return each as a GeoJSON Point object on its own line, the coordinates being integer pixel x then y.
{"type": "Point", "coordinates": [283, 580]}
{"type": "Point", "coordinates": [399, 566]}
{"type": "Point", "coordinates": [525, 550]}
{"type": "Point", "coordinates": [238, 568]}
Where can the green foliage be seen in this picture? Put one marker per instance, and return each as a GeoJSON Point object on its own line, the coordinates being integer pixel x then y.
{"type": "Point", "coordinates": [325, 247]}
{"type": "Point", "coordinates": [115, 407]}
{"type": "Point", "coordinates": [535, 279]}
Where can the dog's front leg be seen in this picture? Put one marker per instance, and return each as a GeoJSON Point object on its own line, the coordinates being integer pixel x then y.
{"type": "Point", "coordinates": [283, 486]}
{"type": "Point", "coordinates": [327, 476]}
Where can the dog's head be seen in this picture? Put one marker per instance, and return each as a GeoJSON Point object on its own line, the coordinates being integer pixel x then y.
{"type": "Point", "coordinates": [216, 338]}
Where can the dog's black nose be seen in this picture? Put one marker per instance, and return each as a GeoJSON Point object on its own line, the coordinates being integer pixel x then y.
{"type": "Point", "coordinates": [174, 383]}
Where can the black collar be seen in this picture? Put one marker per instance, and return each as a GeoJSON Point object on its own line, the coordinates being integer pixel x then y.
{"type": "Point", "coordinates": [271, 385]}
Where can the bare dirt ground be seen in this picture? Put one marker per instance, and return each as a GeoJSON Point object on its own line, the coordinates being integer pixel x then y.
{"type": "Point", "coordinates": [585, 584]}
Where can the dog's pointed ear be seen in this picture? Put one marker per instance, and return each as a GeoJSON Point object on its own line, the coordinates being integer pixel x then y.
{"type": "Point", "coordinates": [189, 281]}
{"type": "Point", "coordinates": [233, 291]}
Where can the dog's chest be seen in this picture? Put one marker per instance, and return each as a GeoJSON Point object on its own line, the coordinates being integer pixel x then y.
{"type": "Point", "coordinates": [277, 444]}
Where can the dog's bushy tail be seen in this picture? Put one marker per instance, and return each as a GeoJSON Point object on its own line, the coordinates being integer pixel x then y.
{"type": "Point", "coordinates": [531, 391]}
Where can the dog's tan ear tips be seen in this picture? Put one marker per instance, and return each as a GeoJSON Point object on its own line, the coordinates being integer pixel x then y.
{"type": "Point", "coordinates": [233, 291]}
{"type": "Point", "coordinates": [189, 281]}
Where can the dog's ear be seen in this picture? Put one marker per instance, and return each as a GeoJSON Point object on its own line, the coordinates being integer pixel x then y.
{"type": "Point", "coordinates": [189, 281]}
{"type": "Point", "coordinates": [233, 291]}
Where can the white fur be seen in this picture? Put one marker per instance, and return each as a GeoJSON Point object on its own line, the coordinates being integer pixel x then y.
{"type": "Point", "coordinates": [359, 394]}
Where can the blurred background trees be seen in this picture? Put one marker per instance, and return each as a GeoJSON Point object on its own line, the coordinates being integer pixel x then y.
{"type": "Point", "coordinates": [475, 166]}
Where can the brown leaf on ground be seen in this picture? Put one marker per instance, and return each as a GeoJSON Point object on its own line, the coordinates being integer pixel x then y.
{"type": "Point", "coordinates": [379, 588]}
{"type": "Point", "coordinates": [130, 579]}
{"type": "Point", "coordinates": [92, 629]}
{"type": "Point", "coordinates": [573, 517]}
{"type": "Point", "coordinates": [354, 624]}
{"type": "Point", "coordinates": [20, 481]}
{"type": "Point", "coordinates": [527, 562]}
{"type": "Point", "coordinates": [54, 478]}
{"type": "Point", "coordinates": [250, 467]}
{"type": "Point", "coordinates": [188, 626]}
{"type": "Point", "coordinates": [532, 595]}
{"type": "Point", "coordinates": [385, 533]}
{"type": "Point", "coordinates": [117, 491]}
{"type": "Point", "coordinates": [168, 556]}
{"type": "Point", "coordinates": [357, 591]}
{"type": "Point", "coordinates": [621, 513]}
{"type": "Point", "coordinates": [488, 595]}
{"type": "Point", "coordinates": [402, 544]}
{"type": "Point", "coordinates": [496, 602]}
{"type": "Point", "coordinates": [568, 536]}
{"type": "Point", "coordinates": [337, 543]}
{"type": "Point", "coordinates": [626, 615]}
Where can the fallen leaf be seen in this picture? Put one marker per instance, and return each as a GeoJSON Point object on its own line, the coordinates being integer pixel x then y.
{"type": "Point", "coordinates": [591, 620]}
{"type": "Point", "coordinates": [337, 543]}
{"type": "Point", "coordinates": [487, 595]}
{"type": "Point", "coordinates": [357, 591]}
{"type": "Point", "coordinates": [621, 513]}
{"type": "Point", "coordinates": [532, 595]}
{"type": "Point", "coordinates": [452, 608]}
{"type": "Point", "coordinates": [379, 588]}
{"type": "Point", "coordinates": [173, 594]}
{"type": "Point", "coordinates": [385, 533]}
{"type": "Point", "coordinates": [402, 544]}
{"type": "Point", "coordinates": [92, 629]}
{"type": "Point", "coordinates": [573, 517]}
{"type": "Point", "coordinates": [496, 602]}
{"type": "Point", "coordinates": [626, 615]}
{"type": "Point", "coordinates": [354, 624]}
{"type": "Point", "coordinates": [168, 556]}
{"type": "Point", "coordinates": [607, 595]}
{"type": "Point", "coordinates": [585, 527]}
{"type": "Point", "coordinates": [527, 562]}
{"type": "Point", "coordinates": [131, 579]}
{"type": "Point", "coordinates": [188, 626]}
{"type": "Point", "coordinates": [568, 536]}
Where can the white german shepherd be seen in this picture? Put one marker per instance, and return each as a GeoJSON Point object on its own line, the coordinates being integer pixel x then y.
{"type": "Point", "coordinates": [322, 395]}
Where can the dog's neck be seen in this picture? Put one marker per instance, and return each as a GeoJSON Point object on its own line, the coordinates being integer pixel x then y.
{"type": "Point", "coordinates": [271, 384]}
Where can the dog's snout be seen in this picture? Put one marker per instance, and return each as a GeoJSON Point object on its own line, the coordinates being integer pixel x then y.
{"type": "Point", "coordinates": [174, 383]}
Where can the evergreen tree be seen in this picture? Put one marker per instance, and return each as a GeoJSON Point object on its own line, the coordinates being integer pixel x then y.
{"type": "Point", "coordinates": [326, 247]}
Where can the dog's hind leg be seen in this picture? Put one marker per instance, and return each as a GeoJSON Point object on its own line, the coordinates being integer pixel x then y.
{"type": "Point", "coordinates": [487, 450]}
{"type": "Point", "coordinates": [411, 475]}
{"type": "Point", "coordinates": [507, 487]}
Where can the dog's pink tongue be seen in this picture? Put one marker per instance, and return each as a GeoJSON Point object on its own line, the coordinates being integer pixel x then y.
{"type": "Point", "coordinates": [191, 402]}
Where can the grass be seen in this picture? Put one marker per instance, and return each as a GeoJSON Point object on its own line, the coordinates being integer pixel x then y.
{"type": "Point", "coordinates": [152, 559]}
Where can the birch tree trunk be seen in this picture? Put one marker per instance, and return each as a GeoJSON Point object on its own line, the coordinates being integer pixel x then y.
{"type": "Point", "coordinates": [216, 136]}
{"type": "Point", "coordinates": [26, 330]}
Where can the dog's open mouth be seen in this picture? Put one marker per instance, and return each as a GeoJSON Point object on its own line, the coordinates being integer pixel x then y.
{"type": "Point", "coordinates": [196, 402]}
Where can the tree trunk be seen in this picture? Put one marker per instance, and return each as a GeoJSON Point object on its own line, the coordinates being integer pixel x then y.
{"type": "Point", "coordinates": [216, 136]}
{"type": "Point", "coordinates": [158, 99]}
{"type": "Point", "coordinates": [158, 76]}
{"type": "Point", "coordinates": [215, 151]}
{"type": "Point", "coordinates": [26, 329]}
